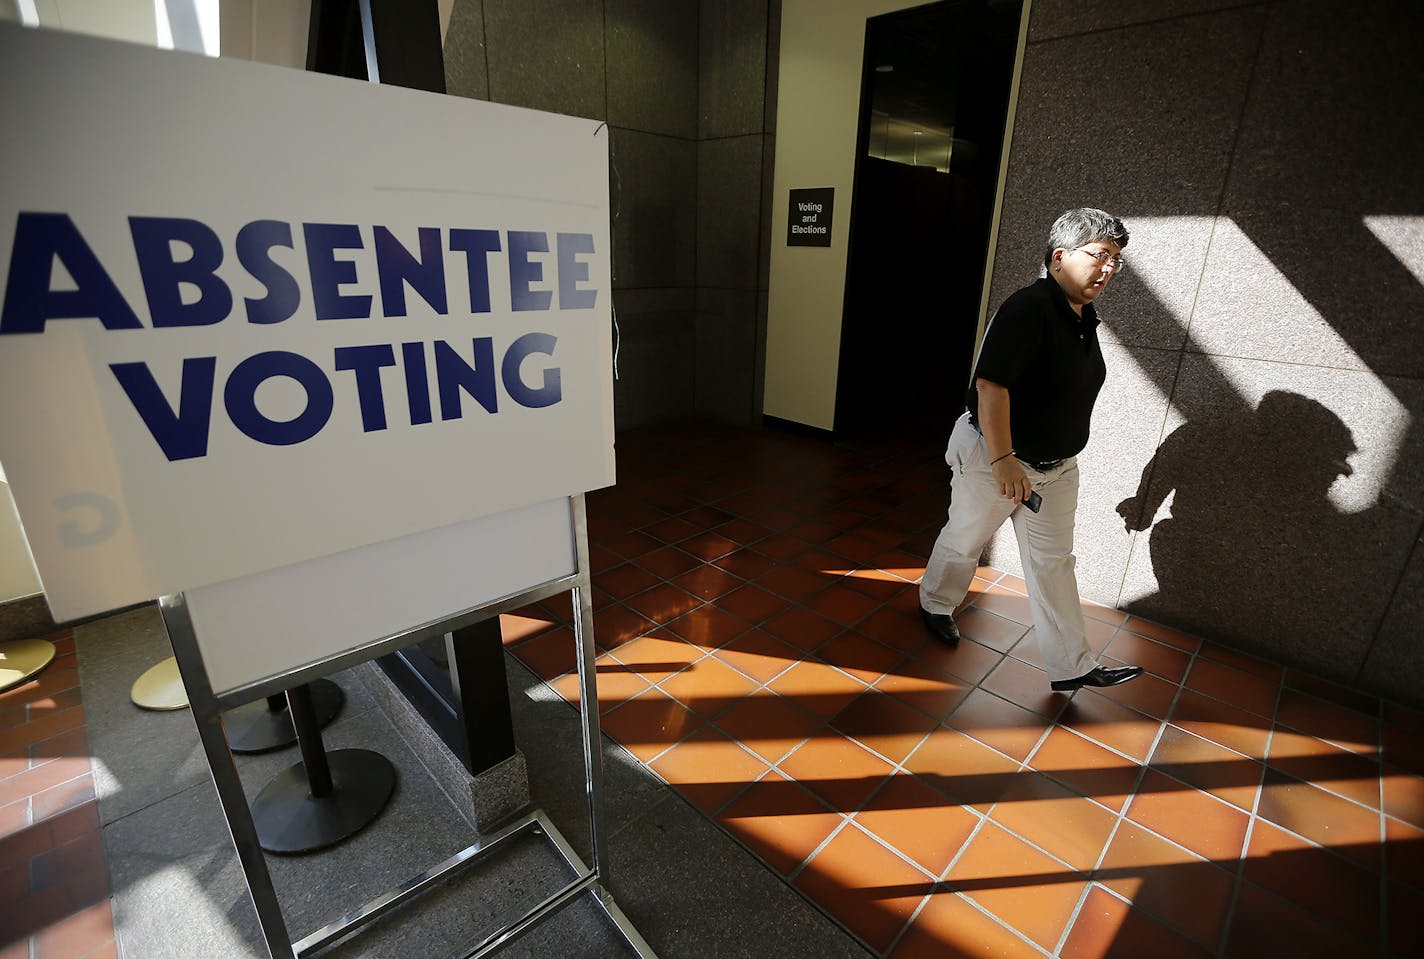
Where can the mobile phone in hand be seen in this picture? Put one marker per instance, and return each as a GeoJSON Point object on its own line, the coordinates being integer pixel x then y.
{"type": "Point", "coordinates": [1034, 501]}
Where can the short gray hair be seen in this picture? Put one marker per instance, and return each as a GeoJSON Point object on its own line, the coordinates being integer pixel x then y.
{"type": "Point", "coordinates": [1083, 225]}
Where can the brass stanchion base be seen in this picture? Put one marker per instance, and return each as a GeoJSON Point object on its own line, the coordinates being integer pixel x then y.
{"type": "Point", "coordinates": [160, 688]}
{"type": "Point", "coordinates": [22, 659]}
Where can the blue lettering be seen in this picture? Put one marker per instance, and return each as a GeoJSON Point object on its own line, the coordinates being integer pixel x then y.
{"type": "Point", "coordinates": [417, 382]}
{"type": "Point", "coordinates": [573, 272]}
{"type": "Point", "coordinates": [366, 362]}
{"type": "Point", "coordinates": [453, 374]}
{"type": "Point", "coordinates": [524, 271]}
{"type": "Point", "coordinates": [396, 267]}
{"type": "Point", "coordinates": [29, 301]}
{"type": "Point", "coordinates": [328, 274]}
{"type": "Point", "coordinates": [164, 276]}
{"type": "Point", "coordinates": [254, 241]}
{"type": "Point", "coordinates": [548, 394]}
{"type": "Point", "coordinates": [476, 245]}
{"type": "Point", "coordinates": [183, 435]}
{"type": "Point", "coordinates": [240, 397]}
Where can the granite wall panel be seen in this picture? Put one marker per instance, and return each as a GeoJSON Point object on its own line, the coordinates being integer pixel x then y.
{"type": "Point", "coordinates": [1325, 186]}
{"type": "Point", "coordinates": [652, 65]}
{"type": "Point", "coordinates": [1280, 504]}
{"type": "Point", "coordinates": [726, 355]}
{"type": "Point", "coordinates": [1128, 423]}
{"type": "Point", "coordinates": [773, 65]}
{"type": "Point", "coordinates": [547, 55]}
{"type": "Point", "coordinates": [466, 69]}
{"type": "Point", "coordinates": [656, 356]}
{"type": "Point", "coordinates": [759, 357]}
{"type": "Point", "coordinates": [1394, 667]}
{"type": "Point", "coordinates": [729, 191]}
{"type": "Point", "coordinates": [768, 176]}
{"type": "Point", "coordinates": [1058, 18]}
{"type": "Point", "coordinates": [1147, 136]}
{"type": "Point", "coordinates": [654, 193]}
{"type": "Point", "coordinates": [732, 68]}
{"type": "Point", "coordinates": [1265, 158]}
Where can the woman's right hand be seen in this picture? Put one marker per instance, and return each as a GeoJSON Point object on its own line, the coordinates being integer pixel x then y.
{"type": "Point", "coordinates": [1013, 481]}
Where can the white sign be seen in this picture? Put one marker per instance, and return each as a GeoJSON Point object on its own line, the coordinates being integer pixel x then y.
{"type": "Point", "coordinates": [251, 316]}
{"type": "Point", "coordinates": [270, 623]}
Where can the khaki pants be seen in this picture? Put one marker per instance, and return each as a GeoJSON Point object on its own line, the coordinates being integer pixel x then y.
{"type": "Point", "coordinates": [976, 511]}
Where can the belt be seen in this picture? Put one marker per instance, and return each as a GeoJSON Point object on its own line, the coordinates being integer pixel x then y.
{"type": "Point", "coordinates": [1042, 467]}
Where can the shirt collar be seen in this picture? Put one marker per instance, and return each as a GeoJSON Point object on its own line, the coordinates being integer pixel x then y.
{"type": "Point", "coordinates": [1060, 299]}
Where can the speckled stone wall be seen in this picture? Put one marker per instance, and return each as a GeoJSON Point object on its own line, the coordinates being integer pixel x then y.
{"type": "Point", "coordinates": [1256, 472]}
{"type": "Point", "coordinates": [735, 116]}
{"type": "Point", "coordinates": [686, 90]}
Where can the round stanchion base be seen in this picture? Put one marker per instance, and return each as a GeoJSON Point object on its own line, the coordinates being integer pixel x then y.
{"type": "Point", "coordinates": [257, 728]}
{"type": "Point", "coordinates": [160, 688]}
{"type": "Point", "coordinates": [290, 820]}
{"type": "Point", "coordinates": [22, 659]}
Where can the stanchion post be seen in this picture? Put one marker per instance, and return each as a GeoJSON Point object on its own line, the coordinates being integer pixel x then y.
{"type": "Point", "coordinates": [299, 704]}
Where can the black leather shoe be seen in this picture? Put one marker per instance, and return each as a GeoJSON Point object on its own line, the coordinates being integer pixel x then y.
{"type": "Point", "coordinates": [1102, 676]}
{"type": "Point", "coordinates": [942, 625]}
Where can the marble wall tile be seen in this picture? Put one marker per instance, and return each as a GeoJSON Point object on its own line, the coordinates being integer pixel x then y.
{"type": "Point", "coordinates": [1394, 668]}
{"type": "Point", "coordinates": [768, 176]}
{"type": "Point", "coordinates": [466, 70]}
{"type": "Point", "coordinates": [25, 618]}
{"type": "Point", "coordinates": [1326, 195]}
{"type": "Point", "coordinates": [1057, 18]}
{"type": "Point", "coordinates": [656, 360]}
{"type": "Point", "coordinates": [1287, 495]}
{"type": "Point", "coordinates": [652, 65]}
{"type": "Point", "coordinates": [547, 55]}
{"type": "Point", "coordinates": [1128, 422]}
{"type": "Point", "coordinates": [726, 355]}
{"type": "Point", "coordinates": [759, 367]}
{"type": "Point", "coordinates": [733, 66]}
{"type": "Point", "coordinates": [729, 191]}
{"type": "Point", "coordinates": [1265, 159]}
{"type": "Point", "coordinates": [773, 65]}
{"type": "Point", "coordinates": [654, 195]}
{"type": "Point", "coordinates": [1147, 136]}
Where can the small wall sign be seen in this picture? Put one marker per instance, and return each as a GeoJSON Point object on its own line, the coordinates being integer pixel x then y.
{"type": "Point", "coordinates": [809, 221]}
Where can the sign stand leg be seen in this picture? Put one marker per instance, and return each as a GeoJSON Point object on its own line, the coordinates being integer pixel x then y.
{"type": "Point", "coordinates": [208, 717]}
{"type": "Point", "coordinates": [588, 714]}
{"type": "Point", "coordinates": [325, 798]}
{"type": "Point", "coordinates": [582, 596]}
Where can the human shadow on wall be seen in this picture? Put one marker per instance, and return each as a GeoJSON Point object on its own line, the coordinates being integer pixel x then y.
{"type": "Point", "coordinates": [1253, 539]}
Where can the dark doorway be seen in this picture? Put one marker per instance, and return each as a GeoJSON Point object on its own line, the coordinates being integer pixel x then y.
{"type": "Point", "coordinates": [934, 100]}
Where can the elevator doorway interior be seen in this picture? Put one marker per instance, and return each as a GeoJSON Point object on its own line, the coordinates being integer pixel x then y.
{"type": "Point", "coordinates": [934, 100]}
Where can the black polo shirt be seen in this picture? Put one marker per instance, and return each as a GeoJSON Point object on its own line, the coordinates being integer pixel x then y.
{"type": "Point", "coordinates": [1049, 359]}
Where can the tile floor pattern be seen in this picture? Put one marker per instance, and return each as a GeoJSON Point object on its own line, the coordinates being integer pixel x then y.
{"type": "Point", "coordinates": [755, 616]}
{"type": "Point", "coordinates": [54, 884]}
{"type": "Point", "coordinates": [759, 651]}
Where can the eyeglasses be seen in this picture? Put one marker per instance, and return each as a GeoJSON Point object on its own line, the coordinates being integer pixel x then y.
{"type": "Point", "coordinates": [1104, 258]}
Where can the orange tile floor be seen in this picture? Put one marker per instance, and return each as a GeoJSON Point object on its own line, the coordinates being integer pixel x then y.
{"type": "Point", "coordinates": [54, 884]}
{"type": "Point", "coordinates": [755, 616]}
{"type": "Point", "coordinates": [759, 651]}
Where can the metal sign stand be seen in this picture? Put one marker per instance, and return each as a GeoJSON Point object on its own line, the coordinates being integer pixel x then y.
{"type": "Point", "coordinates": [207, 713]}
